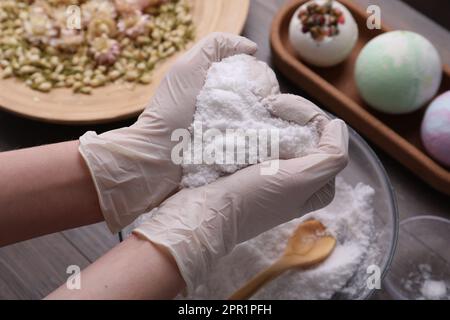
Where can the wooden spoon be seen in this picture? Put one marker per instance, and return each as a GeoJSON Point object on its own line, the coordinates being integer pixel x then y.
{"type": "Point", "coordinates": [309, 245]}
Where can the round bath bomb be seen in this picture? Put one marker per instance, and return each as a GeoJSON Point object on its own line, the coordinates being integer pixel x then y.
{"type": "Point", "coordinates": [323, 33]}
{"type": "Point", "coordinates": [436, 129]}
{"type": "Point", "coordinates": [398, 72]}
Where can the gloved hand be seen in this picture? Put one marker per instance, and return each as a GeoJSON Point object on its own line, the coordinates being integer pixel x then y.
{"type": "Point", "coordinates": [132, 167]}
{"type": "Point", "coordinates": [199, 226]}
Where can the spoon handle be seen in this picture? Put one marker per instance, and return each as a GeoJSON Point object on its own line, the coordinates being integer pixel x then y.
{"type": "Point", "coordinates": [251, 287]}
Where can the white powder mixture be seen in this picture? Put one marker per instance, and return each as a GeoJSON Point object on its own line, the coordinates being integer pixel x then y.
{"type": "Point", "coordinates": [434, 290]}
{"type": "Point", "coordinates": [232, 98]}
{"type": "Point", "coordinates": [424, 285]}
{"type": "Point", "coordinates": [349, 218]}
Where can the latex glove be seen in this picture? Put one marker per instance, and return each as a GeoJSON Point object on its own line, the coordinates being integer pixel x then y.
{"type": "Point", "coordinates": [132, 167]}
{"type": "Point", "coordinates": [199, 226]}
{"type": "Point", "coordinates": [295, 109]}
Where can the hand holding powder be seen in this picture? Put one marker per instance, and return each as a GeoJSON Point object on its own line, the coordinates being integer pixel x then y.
{"type": "Point", "coordinates": [200, 226]}
{"type": "Point", "coordinates": [233, 97]}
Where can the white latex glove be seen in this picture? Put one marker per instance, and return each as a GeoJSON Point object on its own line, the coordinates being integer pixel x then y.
{"type": "Point", "coordinates": [199, 226]}
{"type": "Point", "coordinates": [132, 167]}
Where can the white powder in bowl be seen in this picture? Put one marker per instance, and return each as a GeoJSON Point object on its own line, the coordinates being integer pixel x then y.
{"type": "Point", "coordinates": [423, 284]}
{"type": "Point", "coordinates": [434, 290]}
{"type": "Point", "coordinates": [232, 98]}
{"type": "Point", "coordinates": [349, 218]}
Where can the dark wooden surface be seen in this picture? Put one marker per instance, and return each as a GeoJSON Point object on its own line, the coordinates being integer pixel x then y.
{"type": "Point", "coordinates": [32, 269]}
{"type": "Point", "coordinates": [438, 10]}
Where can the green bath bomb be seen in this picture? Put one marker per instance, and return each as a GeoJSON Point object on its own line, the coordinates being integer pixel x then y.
{"type": "Point", "coordinates": [398, 72]}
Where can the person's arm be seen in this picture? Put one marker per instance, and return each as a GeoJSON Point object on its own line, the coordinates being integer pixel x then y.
{"type": "Point", "coordinates": [115, 176]}
{"type": "Point", "coordinates": [45, 189]}
{"type": "Point", "coordinates": [135, 269]}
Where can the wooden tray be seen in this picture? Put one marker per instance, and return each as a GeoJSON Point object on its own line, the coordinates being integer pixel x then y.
{"type": "Point", "coordinates": [336, 89]}
{"type": "Point", "coordinates": [116, 102]}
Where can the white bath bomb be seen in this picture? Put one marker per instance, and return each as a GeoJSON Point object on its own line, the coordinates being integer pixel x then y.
{"type": "Point", "coordinates": [398, 72]}
{"type": "Point", "coordinates": [330, 49]}
{"type": "Point", "coordinates": [436, 129]}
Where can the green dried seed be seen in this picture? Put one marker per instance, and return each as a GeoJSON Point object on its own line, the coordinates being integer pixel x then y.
{"type": "Point", "coordinates": [77, 85]}
{"type": "Point", "coordinates": [95, 82]}
{"type": "Point", "coordinates": [131, 75]}
{"type": "Point", "coordinates": [45, 87]}
{"type": "Point", "coordinates": [60, 84]}
{"type": "Point", "coordinates": [86, 90]}
{"type": "Point", "coordinates": [4, 63]}
{"type": "Point", "coordinates": [27, 70]}
{"type": "Point", "coordinates": [145, 78]}
{"type": "Point", "coordinates": [69, 82]}
{"type": "Point", "coordinates": [8, 72]}
{"type": "Point", "coordinates": [38, 80]}
{"type": "Point", "coordinates": [115, 74]}
{"type": "Point", "coordinates": [141, 66]}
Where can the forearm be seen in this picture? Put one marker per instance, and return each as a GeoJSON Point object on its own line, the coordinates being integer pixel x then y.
{"type": "Point", "coordinates": [135, 269]}
{"type": "Point", "coordinates": [44, 190]}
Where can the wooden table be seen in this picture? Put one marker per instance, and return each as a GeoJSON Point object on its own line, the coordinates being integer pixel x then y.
{"type": "Point", "coordinates": [31, 269]}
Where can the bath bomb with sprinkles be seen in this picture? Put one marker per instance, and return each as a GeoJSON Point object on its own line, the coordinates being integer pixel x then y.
{"type": "Point", "coordinates": [323, 32]}
{"type": "Point", "coordinates": [436, 129]}
{"type": "Point", "coordinates": [398, 72]}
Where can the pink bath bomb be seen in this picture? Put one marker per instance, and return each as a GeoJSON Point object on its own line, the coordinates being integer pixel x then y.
{"type": "Point", "coordinates": [436, 129]}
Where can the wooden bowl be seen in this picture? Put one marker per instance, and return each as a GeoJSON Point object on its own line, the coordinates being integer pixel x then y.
{"type": "Point", "coordinates": [116, 102]}
{"type": "Point", "coordinates": [335, 88]}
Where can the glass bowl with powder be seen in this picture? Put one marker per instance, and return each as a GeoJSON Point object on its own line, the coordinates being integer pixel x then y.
{"type": "Point", "coordinates": [364, 219]}
{"type": "Point", "coordinates": [421, 267]}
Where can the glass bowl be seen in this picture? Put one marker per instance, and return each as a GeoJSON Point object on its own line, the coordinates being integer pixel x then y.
{"type": "Point", "coordinates": [421, 267]}
{"type": "Point", "coordinates": [364, 166]}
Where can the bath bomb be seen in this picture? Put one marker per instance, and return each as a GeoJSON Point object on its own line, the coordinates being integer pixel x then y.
{"type": "Point", "coordinates": [398, 72]}
{"type": "Point", "coordinates": [436, 129]}
{"type": "Point", "coordinates": [323, 33]}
